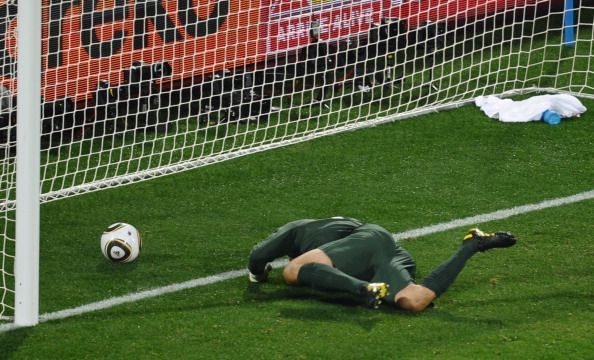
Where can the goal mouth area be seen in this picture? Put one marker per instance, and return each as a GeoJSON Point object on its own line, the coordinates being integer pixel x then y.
{"type": "Point", "coordinates": [138, 90]}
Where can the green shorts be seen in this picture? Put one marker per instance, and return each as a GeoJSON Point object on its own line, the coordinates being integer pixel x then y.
{"type": "Point", "coordinates": [371, 254]}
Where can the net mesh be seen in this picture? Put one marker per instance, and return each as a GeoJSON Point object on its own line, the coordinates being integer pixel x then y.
{"type": "Point", "coordinates": [138, 89]}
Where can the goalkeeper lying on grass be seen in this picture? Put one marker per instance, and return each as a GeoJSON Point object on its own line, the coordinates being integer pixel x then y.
{"type": "Point", "coordinates": [343, 254]}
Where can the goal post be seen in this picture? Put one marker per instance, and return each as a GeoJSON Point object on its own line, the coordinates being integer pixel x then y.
{"type": "Point", "coordinates": [26, 263]}
{"type": "Point", "coordinates": [568, 24]}
{"type": "Point", "coordinates": [109, 93]}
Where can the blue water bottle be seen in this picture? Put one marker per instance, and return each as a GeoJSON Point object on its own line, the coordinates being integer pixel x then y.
{"type": "Point", "coordinates": [551, 117]}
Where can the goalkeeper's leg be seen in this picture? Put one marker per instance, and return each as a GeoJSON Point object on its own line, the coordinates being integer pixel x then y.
{"type": "Point", "coordinates": [417, 297]}
{"type": "Point", "coordinates": [315, 269]}
{"type": "Point", "coordinates": [475, 240]}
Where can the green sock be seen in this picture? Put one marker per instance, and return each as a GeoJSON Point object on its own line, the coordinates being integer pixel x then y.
{"type": "Point", "coordinates": [444, 275]}
{"type": "Point", "coordinates": [324, 277]}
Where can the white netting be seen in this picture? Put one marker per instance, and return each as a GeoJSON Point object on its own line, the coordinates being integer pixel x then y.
{"type": "Point", "coordinates": [138, 89]}
{"type": "Point", "coordinates": [7, 158]}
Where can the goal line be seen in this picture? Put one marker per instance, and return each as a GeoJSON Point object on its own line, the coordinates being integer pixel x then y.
{"type": "Point", "coordinates": [427, 230]}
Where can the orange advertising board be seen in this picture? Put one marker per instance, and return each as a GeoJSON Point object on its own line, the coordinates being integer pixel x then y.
{"type": "Point", "coordinates": [85, 41]}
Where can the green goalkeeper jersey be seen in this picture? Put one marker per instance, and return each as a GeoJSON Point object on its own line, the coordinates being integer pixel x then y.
{"type": "Point", "coordinates": [298, 237]}
{"type": "Point", "coordinates": [310, 234]}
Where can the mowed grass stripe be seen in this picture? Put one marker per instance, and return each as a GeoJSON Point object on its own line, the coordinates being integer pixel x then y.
{"type": "Point", "coordinates": [472, 220]}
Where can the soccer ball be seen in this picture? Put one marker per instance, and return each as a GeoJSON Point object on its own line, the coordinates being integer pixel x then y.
{"type": "Point", "coordinates": [121, 242]}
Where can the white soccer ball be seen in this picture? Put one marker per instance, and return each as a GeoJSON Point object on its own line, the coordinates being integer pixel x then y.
{"type": "Point", "coordinates": [121, 242]}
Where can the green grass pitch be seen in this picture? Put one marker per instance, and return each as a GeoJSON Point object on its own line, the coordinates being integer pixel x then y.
{"type": "Point", "coordinates": [534, 300]}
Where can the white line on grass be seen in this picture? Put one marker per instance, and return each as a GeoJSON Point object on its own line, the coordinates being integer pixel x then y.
{"type": "Point", "coordinates": [496, 215]}
{"type": "Point", "coordinates": [472, 220]}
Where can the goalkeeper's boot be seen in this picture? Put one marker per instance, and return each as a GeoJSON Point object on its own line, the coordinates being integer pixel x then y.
{"type": "Point", "coordinates": [488, 241]}
{"type": "Point", "coordinates": [261, 277]}
{"type": "Point", "coordinates": [374, 293]}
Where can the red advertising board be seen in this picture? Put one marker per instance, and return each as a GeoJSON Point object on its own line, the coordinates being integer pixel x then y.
{"type": "Point", "coordinates": [418, 12]}
{"type": "Point", "coordinates": [98, 42]}
{"type": "Point", "coordinates": [288, 22]}
{"type": "Point", "coordinates": [343, 19]}
{"type": "Point", "coordinates": [85, 41]}
{"type": "Point", "coordinates": [88, 41]}
{"type": "Point", "coordinates": [285, 25]}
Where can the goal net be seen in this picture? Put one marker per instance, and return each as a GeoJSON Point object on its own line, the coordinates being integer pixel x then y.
{"type": "Point", "coordinates": [133, 90]}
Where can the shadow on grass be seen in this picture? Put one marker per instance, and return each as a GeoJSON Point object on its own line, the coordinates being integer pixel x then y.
{"type": "Point", "coordinates": [258, 293]}
{"type": "Point", "coordinates": [348, 308]}
{"type": "Point", "coordinates": [517, 310]}
{"type": "Point", "coordinates": [11, 341]}
{"type": "Point", "coordinates": [321, 314]}
{"type": "Point", "coordinates": [105, 266]}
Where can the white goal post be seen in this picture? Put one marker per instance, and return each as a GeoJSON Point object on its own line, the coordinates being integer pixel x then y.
{"type": "Point", "coordinates": [112, 92]}
{"type": "Point", "coordinates": [26, 263]}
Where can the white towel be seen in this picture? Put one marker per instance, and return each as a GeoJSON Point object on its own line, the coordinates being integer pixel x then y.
{"type": "Point", "coordinates": [531, 109]}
